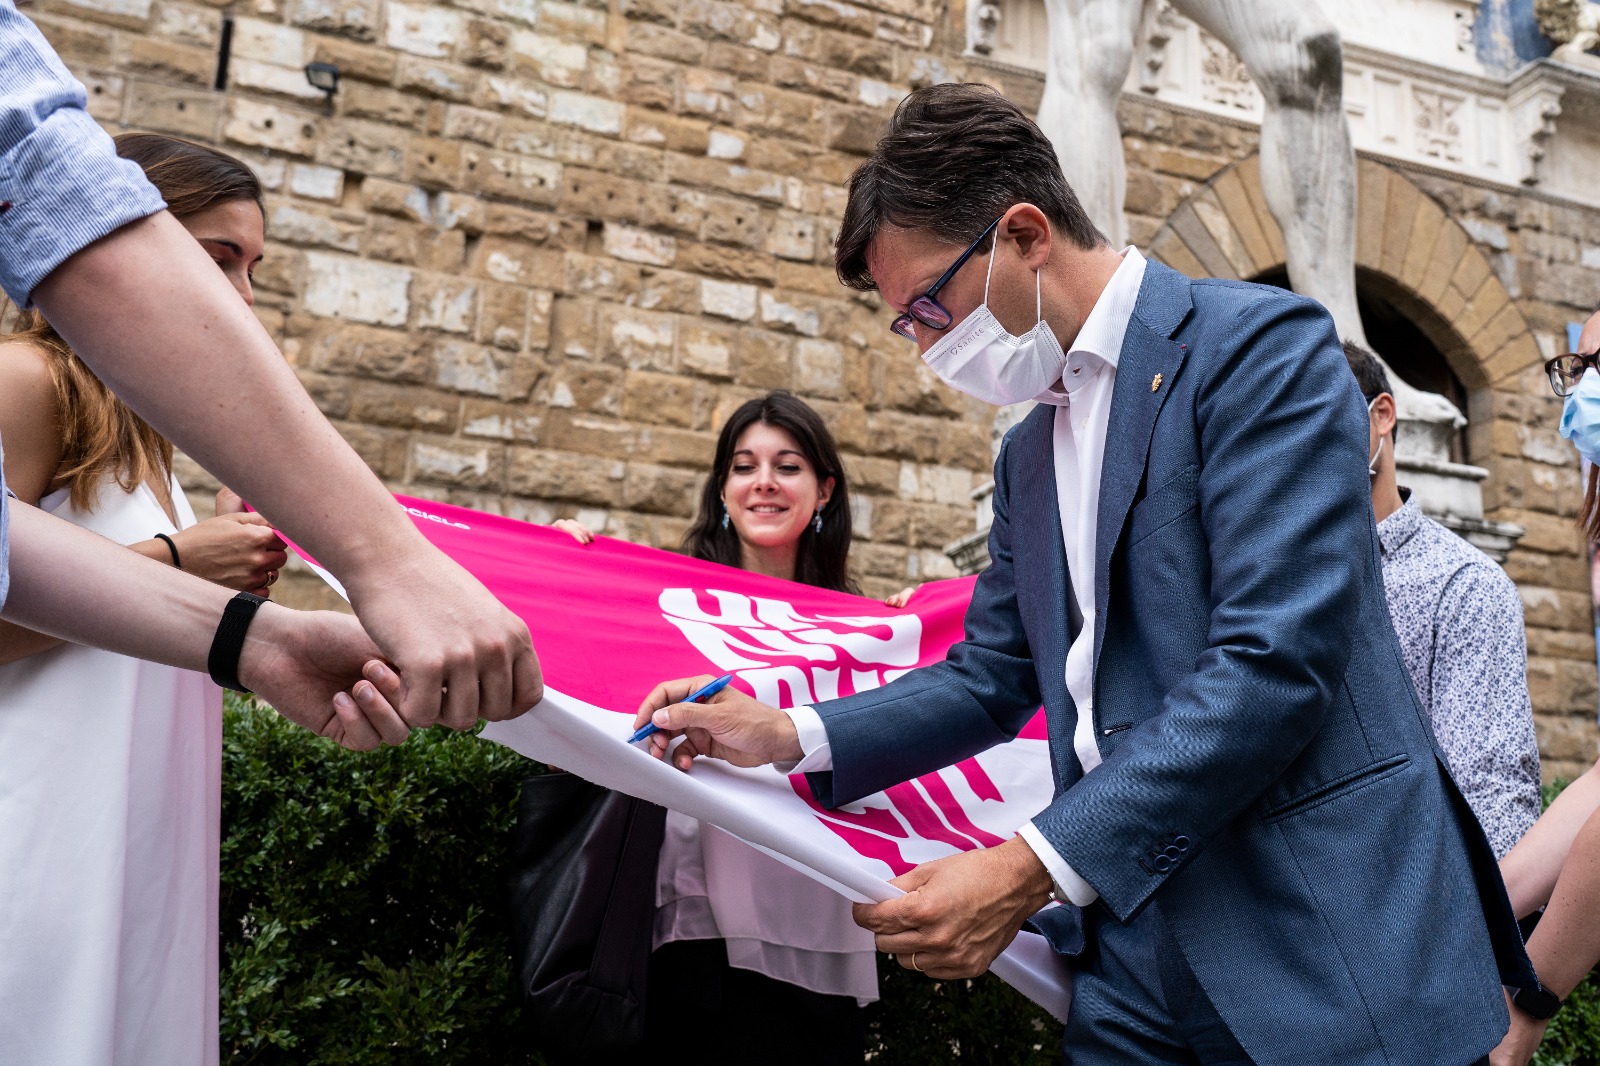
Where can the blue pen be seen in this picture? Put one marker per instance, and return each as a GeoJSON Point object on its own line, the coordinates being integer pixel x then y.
{"type": "Point", "coordinates": [694, 697]}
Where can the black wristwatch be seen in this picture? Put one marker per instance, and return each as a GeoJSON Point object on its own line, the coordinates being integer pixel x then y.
{"type": "Point", "coordinates": [1538, 1002]}
{"type": "Point", "coordinates": [223, 662]}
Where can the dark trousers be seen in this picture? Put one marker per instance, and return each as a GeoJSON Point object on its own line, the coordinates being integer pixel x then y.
{"type": "Point", "coordinates": [1135, 1000]}
{"type": "Point", "coordinates": [735, 1017]}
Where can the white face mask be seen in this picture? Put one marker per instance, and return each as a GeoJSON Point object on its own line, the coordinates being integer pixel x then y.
{"type": "Point", "coordinates": [980, 358]}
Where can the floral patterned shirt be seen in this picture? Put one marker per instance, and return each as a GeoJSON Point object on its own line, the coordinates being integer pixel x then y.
{"type": "Point", "coordinates": [1459, 620]}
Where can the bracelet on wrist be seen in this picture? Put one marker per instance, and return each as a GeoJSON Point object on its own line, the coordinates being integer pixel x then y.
{"type": "Point", "coordinates": [223, 662]}
{"type": "Point", "coordinates": [172, 546]}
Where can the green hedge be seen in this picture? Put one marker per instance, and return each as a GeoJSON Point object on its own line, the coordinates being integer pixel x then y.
{"type": "Point", "coordinates": [363, 915]}
{"type": "Point", "coordinates": [363, 919]}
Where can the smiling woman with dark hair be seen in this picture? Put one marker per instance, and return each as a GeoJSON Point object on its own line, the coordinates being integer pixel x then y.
{"type": "Point", "coordinates": [744, 945]}
{"type": "Point", "coordinates": [789, 520]}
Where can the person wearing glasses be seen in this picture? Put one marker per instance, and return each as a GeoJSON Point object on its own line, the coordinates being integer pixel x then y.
{"type": "Point", "coordinates": [1557, 864]}
{"type": "Point", "coordinates": [1459, 620]}
{"type": "Point", "coordinates": [1260, 851]}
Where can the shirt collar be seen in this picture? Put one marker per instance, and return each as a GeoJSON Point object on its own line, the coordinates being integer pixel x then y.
{"type": "Point", "coordinates": [1402, 525]}
{"type": "Point", "coordinates": [1099, 341]}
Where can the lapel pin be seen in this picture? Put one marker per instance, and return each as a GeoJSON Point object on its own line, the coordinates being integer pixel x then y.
{"type": "Point", "coordinates": [1155, 383]}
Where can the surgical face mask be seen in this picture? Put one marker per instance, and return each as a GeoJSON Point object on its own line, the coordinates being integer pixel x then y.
{"type": "Point", "coordinates": [1580, 419]}
{"type": "Point", "coordinates": [1372, 463]}
{"type": "Point", "coordinates": [980, 358]}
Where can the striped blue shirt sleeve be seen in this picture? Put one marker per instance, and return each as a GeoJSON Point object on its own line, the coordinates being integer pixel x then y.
{"type": "Point", "coordinates": [62, 186]}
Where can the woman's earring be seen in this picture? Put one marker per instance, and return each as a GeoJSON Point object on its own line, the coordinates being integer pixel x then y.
{"type": "Point", "coordinates": [725, 519]}
{"type": "Point", "coordinates": [817, 523]}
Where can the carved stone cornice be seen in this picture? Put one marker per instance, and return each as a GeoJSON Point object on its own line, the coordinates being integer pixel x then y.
{"type": "Point", "coordinates": [1451, 117]}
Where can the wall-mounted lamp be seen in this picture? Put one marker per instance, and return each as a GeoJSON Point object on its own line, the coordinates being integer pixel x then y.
{"type": "Point", "coordinates": [324, 77]}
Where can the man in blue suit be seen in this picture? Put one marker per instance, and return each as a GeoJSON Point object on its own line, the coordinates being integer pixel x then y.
{"type": "Point", "coordinates": [1263, 855]}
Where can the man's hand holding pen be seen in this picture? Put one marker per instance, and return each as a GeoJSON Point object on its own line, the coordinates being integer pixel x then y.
{"type": "Point", "coordinates": [731, 726]}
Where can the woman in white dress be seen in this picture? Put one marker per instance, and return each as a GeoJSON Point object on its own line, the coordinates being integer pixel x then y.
{"type": "Point", "coordinates": [110, 768]}
{"type": "Point", "coordinates": [745, 947]}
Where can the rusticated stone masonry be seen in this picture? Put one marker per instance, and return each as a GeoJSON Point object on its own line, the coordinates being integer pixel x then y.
{"type": "Point", "coordinates": [537, 251]}
{"type": "Point", "coordinates": [532, 252]}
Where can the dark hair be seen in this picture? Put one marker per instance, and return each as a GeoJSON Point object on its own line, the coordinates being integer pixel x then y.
{"type": "Point", "coordinates": [100, 435]}
{"type": "Point", "coordinates": [823, 558]}
{"type": "Point", "coordinates": [1372, 379]}
{"type": "Point", "coordinates": [190, 177]}
{"type": "Point", "coordinates": [1369, 372]}
{"type": "Point", "coordinates": [954, 159]}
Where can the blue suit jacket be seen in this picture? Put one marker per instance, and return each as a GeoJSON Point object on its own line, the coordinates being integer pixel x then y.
{"type": "Point", "coordinates": [1268, 768]}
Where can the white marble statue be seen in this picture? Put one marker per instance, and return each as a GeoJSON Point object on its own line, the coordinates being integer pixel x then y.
{"type": "Point", "coordinates": [1574, 25]}
{"type": "Point", "coordinates": [1308, 171]}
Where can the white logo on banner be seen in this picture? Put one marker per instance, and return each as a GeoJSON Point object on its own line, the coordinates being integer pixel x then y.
{"type": "Point", "coordinates": [417, 512]}
{"type": "Point", "coordinates": [829, 656]}
{"type": "Point", "coordinates": [790, 659]}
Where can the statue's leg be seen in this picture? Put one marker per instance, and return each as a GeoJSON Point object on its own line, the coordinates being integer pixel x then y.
{"type": "Point", "coordinates": [1091, 50]}
{"type": "Point", "coordinates": [1308, 168]}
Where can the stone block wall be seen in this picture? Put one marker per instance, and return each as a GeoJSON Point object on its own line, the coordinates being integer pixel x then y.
{"type": "Point", "coordinates": [533, 253]}
{"type": "Point", "coordinates": [1547, 255]}
{"type": "Point", "coordinates": [1493, 277]}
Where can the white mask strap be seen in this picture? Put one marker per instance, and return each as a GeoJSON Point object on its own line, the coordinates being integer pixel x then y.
{"type": "Point", "coordinates": [1372, 464]}
{"type": "Point", "coordinates": [994, 246]}
{"type": "Point", "coordinates": [1038, 296]}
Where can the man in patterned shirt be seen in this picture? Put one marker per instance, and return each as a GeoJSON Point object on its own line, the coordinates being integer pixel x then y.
{"type": "Point", "coordinates": [1459, 620]}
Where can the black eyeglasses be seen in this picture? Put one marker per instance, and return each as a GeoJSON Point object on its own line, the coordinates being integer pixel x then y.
{"type": "Point", "coordinates": [1566, 370]}
{"type": "Point", "coordinates": [925, 308]}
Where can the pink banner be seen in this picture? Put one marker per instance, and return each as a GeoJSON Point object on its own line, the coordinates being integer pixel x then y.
{"type": "Point", "coordinates": [611, 620]}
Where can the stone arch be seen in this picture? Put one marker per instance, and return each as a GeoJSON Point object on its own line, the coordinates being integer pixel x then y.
{"type": "Point", "coordinates": [1407, 247]}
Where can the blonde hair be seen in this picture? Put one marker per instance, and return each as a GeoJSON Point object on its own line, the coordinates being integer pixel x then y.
{"type": "Point", "coordinates": [101, 437]}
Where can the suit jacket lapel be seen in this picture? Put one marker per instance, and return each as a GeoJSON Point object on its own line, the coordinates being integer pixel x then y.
{"type": "Point", "coordinates": [1147, 349]}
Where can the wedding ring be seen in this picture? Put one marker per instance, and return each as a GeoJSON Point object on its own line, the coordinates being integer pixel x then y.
{"type": "Point", "coordinates": [914, 965]}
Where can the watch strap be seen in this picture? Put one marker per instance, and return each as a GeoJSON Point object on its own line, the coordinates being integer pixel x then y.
{"type": "Point", "coordinates": [1538, 1002]}
{"type": "Point", "coordinates": [223, 662]}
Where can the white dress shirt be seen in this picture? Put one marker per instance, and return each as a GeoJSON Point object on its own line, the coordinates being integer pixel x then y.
{"type": "Point", "coordinates": [1083, 412]}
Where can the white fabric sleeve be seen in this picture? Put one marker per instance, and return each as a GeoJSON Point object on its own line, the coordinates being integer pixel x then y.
{"type": "Point", "coordinates": [1069, 885]}
{"type": "Point", "coordinates": [818, 754]}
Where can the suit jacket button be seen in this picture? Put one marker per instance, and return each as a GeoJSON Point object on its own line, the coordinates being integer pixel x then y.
{"type": "Point", "coordinates": [1162, 863]}
{"type": "Point", "coordinates": [1173, 853]}
{"type": "Point", "coordinates": [1181, 842]}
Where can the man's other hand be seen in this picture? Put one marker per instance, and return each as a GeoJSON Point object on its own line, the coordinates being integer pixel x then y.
{"type": "Point", "coordinates": [731, 726]}
{"type": "Point", "coordinates": [959, 912]}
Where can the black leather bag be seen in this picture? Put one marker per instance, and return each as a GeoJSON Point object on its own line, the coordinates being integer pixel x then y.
{"type": "Point", "coordinates": [583, 900]}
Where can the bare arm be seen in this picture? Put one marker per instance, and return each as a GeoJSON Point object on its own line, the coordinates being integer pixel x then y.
{"type": "Point", "coordinates": [1566, 944]}
{"type": "Point", "coordinates": [76, 585]}
{"type": "Point", "coordinates": [31, 433]}
{"type": "Point", "coordinates": [1530, 869]}
{"type": "Point", "coordinates": [241, 414]}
